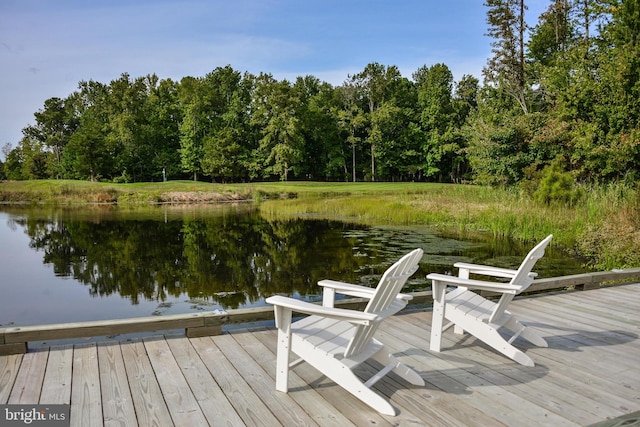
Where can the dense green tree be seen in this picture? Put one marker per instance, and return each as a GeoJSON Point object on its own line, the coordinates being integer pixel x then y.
{"type": "Point", "coordinates": [127, 125]}
{"type": "Point", "coordinates": [435, 87]}
{"type": "Point", "coordinates": [506, 68]}
{"type": "Point", "coordinates": [553, 34]}
{"type": "Point", "coordinates": [88, 155]}
{"type": "Point", "coordinates": [274, 107]}
{"type": "Point", "coordinates": [12, 162]}
{"type": "Point", "coordinates": [322, 151]}
{"type": "Point", "coordinates": [375, 85]}
{"type": "Point", "coordinates": [55, 123]}
{"type": "Point", "coordinates": [34, 159]}
{"type": "Point", "coordinates": [225, 148]}
{"type": "Point", "coordinates": [571, 92]}
{"type": "Point", "coordinates": [352, 123]}
{"type": "Point", "coordinates": [193, 125]}
{"type": "Point", "coordinates": [164, 118]}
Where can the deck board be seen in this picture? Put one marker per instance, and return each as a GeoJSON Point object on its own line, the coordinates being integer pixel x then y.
{"type": "Point", "coordinates": [318, 408]}
{"type": "Point", "coordinates": [9, 367]}
{"type": "Point", "coordinates": [28, 385]}
{"type": "Point", "coordinates": [282, 405]}
{"type": "Point", "coordinates": [181, 402]}
{"type": "Point", "coordinates": [589, 373]}
{"type": "Point", "coordinates": [246, 402]}
{"type": "Point", "coordinates": [56, 387]}
{"type": "Point", "coordinates": [214, 403]}
{"type": "Point", "coordinates": [149, 404]}
{"type": "Point", "coordinates": [85, 388]}
{"type": "Point", "coordinates": [117, 404]}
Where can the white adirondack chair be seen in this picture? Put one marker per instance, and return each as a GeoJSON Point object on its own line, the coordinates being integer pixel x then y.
{"type": "Point", "coordinates": [335, 340]}
{"type": "Point", "coordinates": [485, 319]}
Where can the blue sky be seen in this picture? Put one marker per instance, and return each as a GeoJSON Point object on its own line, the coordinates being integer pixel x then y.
{"type": "Point", "coordinates": [47, 47]}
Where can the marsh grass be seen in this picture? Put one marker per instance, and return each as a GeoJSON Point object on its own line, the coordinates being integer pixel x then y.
{"type": "Point", "coordinates": [604, 226]}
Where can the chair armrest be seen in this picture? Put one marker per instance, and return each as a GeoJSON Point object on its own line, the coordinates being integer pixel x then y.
{"type": "Point", "coordinates": [474, 284]}
{"type": "Point", "coordinates": [351, 316]}
{"type": "Point", "coordinates": [404, 297]}
{"type": "Point", "coordinates": [488, 270]}
{"type": "Point", "coordinates": [347, 288]}
{"type": "Point", "coordinates": [331, 287]}
{"type": "Point", "coordinates": [356, 290]}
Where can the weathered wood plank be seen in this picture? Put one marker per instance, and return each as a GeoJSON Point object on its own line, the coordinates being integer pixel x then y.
{"type": "Point", "coordinates": [588, 373]}
{"type": "Point", "coordinates": [102, 328]}
{"type": "Point", "coordinates": [13, 348]}
{"type": "Point", "coordinates": [608, 333]}
{"type": "Point", "coordinates": [624, 310]}
{"type": "Point", "coordinates": [574, 337]}
{"type": "Point", "coordinates": [28, 384]}
{"type": "Point", "coordinates": [14, 339]}
{"type": "Point", "coordinates": [151, 409]}
{"type": "Point", "coordinates": [281, 404]}
{"type": "Point", "coordinates": [86, 400]}
{"type": "Point", "coordinates": [203, 331]}
{"type": "Point", "coordinates": [215, 405]}
{"type": "Point", "coordinates": [461, 370]}
{"type": "Point", "coordinates": [56, 387]}
{"type": "Point", "coordinates": [405, 337]}
{"type": "Point", "coordinates": [585, 281]}
{"type": "Point", "coordinates": [117, 404]}
{"type": "Point", "coordinates": [9, 367]}
{"type": "Point", "coordinates": [619, 395]}
{"type": "Point", "coordinates": [515, 378]}
{"type": "Point", "coordinates": [322, 412]}
{"type": "Point", "coordinates": [247, 404]}
{"type": "Point", "coordinates": [354, 409]}
{"type": "Point", "coordinates": [182, 405]}
{"type": "Point", "coordinates": [411, 402]}
{"type": "Point", "coordinates": [609, 328]}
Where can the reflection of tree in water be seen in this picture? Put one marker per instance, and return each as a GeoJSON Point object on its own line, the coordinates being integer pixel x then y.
{"type": "Point", "coordinates": [231, 260]}
{"type": "Point", "coordinates": [235, 259]}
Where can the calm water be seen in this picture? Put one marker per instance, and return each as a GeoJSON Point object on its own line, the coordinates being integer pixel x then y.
{"type": "Point", "coordinates": [106, 263]}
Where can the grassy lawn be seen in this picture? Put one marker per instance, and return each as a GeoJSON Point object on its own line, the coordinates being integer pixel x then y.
{"type": "Point", "coordinates": [56, 191]}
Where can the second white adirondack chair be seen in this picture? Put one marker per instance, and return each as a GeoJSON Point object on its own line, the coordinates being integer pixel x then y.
{"type": "Point", "coordinates": [482, 318]}
{"type": "Point", "coordinates": [335, 340]}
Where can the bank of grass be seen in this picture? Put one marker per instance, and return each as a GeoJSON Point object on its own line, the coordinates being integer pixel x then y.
{"type": "Point", "coordinates": [57, 192]}
{"type": "Point", "coordinates": [465, 208]}
{"type": "Point", "coordinates": [605, 226]}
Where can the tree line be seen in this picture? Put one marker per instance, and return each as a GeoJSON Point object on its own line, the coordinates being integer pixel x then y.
{"type": "Point", "coordinates": [559, 102]}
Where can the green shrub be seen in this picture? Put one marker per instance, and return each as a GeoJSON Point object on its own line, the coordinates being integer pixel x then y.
{"type": "Point", "coordinates": [557, 186]}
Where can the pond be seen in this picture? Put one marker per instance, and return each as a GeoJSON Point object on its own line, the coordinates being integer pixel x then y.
{"type": "Point", "coordinates": [100, 263]}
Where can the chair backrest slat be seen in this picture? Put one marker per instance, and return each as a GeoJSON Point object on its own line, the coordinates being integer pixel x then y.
{"type": "Point", "coordinates": [388, 288]}
{"type": "Point", "coordinates": [523, 279]}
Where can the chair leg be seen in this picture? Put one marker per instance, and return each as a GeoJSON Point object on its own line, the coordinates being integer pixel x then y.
{"type": "Point", "coordinates": [342, 375]}
{"type": "Point", "coordinates": [437, 321]}
{"type": "Point", "coordinates": [283, 321]}
{"type": "Point", "coordinates": [527, 333]}
{"type": "Point", "coordinates": [492, 337]}
{"type": "Point", "coordinates": [404, 371]}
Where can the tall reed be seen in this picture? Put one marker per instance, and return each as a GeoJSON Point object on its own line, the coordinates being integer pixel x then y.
{"type": "Point", "coordinates": [502, 212]}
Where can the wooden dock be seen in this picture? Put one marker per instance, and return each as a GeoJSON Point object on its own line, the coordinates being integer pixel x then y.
{"type": "Point", "coordinates": [589, 373]}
